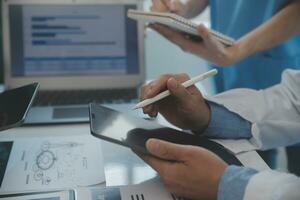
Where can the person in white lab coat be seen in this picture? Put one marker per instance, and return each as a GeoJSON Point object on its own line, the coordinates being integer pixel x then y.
{"type": "Point", "coordinates": [256, 51]}
{"type": "Point", "coordinates": [268, 118]}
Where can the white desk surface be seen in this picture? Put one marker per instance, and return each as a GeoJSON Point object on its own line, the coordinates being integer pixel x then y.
{"type": "Point", "coordinates": [122, 166]}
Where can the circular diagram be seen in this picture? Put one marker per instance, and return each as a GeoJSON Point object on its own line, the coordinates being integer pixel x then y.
{"type": "Point", "coordinates": [45, 160]}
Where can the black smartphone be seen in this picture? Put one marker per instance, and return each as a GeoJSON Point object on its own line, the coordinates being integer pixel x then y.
{"type": "Point", "coordinates": [133, 132]}
{"type": "Point", "coordinates": [15, 104]}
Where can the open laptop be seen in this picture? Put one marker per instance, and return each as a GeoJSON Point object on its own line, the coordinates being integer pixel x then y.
{"type": "Point", "coordinates": [80, 51]}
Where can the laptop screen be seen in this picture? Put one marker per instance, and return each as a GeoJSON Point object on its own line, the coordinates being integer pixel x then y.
{"type": "Point", "coordinates": [71, 40]}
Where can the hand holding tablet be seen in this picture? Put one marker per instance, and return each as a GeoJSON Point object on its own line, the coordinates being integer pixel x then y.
{"type": "Point", "coordinates": [133, 132]}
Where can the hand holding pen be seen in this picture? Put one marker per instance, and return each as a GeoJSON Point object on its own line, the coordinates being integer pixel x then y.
{"type": "Point", "coordinates": [185, 107]}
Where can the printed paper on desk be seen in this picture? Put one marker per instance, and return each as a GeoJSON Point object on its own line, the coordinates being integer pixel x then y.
{"type": "Point", "coordinates": [53, 163]}
{"type": "Point", "coordinates": [152, 189]}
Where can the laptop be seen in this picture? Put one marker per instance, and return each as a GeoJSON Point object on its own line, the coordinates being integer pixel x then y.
{"type": "Point", "coordinates": [80, 51]}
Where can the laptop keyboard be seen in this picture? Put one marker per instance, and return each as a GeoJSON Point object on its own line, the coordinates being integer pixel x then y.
{"type": "Point", "coordinates": [75, 97]}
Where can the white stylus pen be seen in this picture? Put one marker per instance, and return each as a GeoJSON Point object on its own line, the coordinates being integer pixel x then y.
{"type": "Point", "coordinates": [166, 93]}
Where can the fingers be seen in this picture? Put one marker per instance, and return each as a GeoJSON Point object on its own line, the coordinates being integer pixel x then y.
{"type": "Point", "coordinates": [159, 6]}
{"type": "Point", "coordinates": [178, 38]}
{"type": "Point", "coordinates": [168, 33]}
{"type": "Point", "coordinates": [210, 48]}
{"type": "Point", "coordinates": [157, 164]}
{"type": "Point", "coordinates": [167, 81]}
{"type": "Point", "coordinates": [173, 6]}
{"type": "Point", "coordinates": [177, 90]}
{"type": "Point", "coordinates": [208, 39]}
{"type": "Point", "coordinates": [166, 150]}
{"type": "Point", "coordinates": [167, 2]}
{"type": "Point", "coordinates": [176, 7]}
{"type": "Point", "coordinates": [152, 109]}
{"type": "Point", "coordinates": [158, 85]}
{"type": "Point", "coordinates": [166, 6]}
{"type": "Point", "coordinates": [151, 90]}
{"type": "Point", "coordinates": [169, 173]}
{"type": "Point", "coordinates": [181, 78]}
{"type": "Point", "coordinates": [166, 169]}
{"type": "Point", "coordinates": [203, 31]}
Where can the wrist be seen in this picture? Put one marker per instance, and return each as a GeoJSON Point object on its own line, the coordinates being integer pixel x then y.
{"type": "Point", "coordinates": [216, 178]}
{"type": "Point", "coordinates": [244, 47]}
{"type": "Point", "coordinates": [234, 181]}
{"type": "Point", "coordinates": [208, 116]}
{"type": "Point", "coordinates": [233, 54]}
{"type": "Point", "coordinates": [204, 120]}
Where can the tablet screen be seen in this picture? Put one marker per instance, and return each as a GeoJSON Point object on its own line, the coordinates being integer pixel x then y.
{"type": "Point", "coordinates": [133, 132]}
{"type": "Point", "coordinates": [14, 105]}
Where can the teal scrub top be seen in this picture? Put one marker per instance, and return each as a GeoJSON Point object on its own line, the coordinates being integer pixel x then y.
{"type": "Point", "coordinates": [261, 70]}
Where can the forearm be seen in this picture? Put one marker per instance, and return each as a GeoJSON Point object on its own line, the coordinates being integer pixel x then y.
{"type": "Point", "coordinates": [282, 26]}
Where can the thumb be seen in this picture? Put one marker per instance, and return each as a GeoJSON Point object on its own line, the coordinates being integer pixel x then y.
{"type": "Point", "coordinates": [177, 90]}
{"type": "Point", "coordinates": [208, 38]}
{"type": "Point", "coordinates": [166, 150]}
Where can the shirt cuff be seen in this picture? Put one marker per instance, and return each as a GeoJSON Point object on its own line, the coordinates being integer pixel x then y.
{"type": "Point", "coordinates": [225, 124]}
{"type": "Point", "coordinates": [234, 182]}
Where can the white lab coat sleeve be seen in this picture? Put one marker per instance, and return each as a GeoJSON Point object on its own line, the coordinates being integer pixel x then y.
{"type": "Point", "coordinates": [272, 185]}
{"type": "Point", "coordinates": [273, 112]}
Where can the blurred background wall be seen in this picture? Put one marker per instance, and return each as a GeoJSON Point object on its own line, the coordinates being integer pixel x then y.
{"type": "Point", "coordinates": [1, 46]}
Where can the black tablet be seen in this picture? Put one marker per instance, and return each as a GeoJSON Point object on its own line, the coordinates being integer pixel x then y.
{"type": "Point", "coordinates": [15, 104]}
{"type": "Point", "coordinates": [133, 132]}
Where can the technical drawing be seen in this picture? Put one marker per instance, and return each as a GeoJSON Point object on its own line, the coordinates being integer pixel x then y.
{"type": "Point", "coordinates": [51, 153]}
{"type": "Point", "coordinates": [49, 163]}
{"type": "Point", "coordinates": [45, 160]}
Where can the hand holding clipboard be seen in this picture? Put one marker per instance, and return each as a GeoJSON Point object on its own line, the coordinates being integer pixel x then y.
{"type": "Point", "coordinates": [177, 22]}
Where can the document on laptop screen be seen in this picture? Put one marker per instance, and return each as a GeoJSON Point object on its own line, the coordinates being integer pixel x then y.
{"type": "Point", "coordinates": [72, 40]}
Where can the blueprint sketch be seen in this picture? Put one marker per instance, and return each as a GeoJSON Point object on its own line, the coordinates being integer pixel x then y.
{"type": "Point", "coordinates": [54, 163]}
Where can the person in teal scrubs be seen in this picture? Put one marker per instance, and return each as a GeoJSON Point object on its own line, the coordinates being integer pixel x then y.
{"type": "Point", "coordinates": [263, 69]}
{"type": "Point", "coordinates": [264, 47]}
